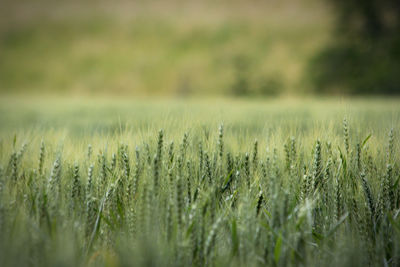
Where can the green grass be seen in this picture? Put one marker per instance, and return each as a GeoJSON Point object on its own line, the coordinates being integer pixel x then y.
{"type": "Point", "coordinates": [297, 196]}
{"type": "Point", "coordinates": [156, 49]}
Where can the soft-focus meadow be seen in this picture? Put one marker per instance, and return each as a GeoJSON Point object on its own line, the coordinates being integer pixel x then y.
{"type": "Point", "coordinates": [166, 48]}
{"type": "Point", "coordinates": [179, 133]}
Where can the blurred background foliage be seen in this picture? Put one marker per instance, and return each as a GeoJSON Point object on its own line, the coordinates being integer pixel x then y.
{"type": "Point", "coordinates": [196, 48]}
{"type": "Point", "coordinates": [364, 57]}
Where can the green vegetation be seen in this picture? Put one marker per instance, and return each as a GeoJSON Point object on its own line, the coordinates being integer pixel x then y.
{"type": "Point", "coordinates": [163, 183]}
{"type": "Point", "coordinates": [365, 56]}
{"type": "Point", "coordinates": [120, 147]}
{"type": "Point", "coordinates": [158, 47]}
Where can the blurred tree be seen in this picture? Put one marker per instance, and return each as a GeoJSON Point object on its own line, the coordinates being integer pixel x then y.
{"type": "Point", "coordinates": [269, 85]}
{"type": "Point", "coordinates": [240, 86]}
{"type": "Point", "coordinates": [365, 57]}
{"type": "Point", "coordinates": [250, 82]}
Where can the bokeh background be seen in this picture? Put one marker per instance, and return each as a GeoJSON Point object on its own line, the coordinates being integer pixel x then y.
{"type": "Point", "coordinates": [193, 48]}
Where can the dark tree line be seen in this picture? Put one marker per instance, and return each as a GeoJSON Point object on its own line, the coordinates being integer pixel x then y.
{"type": "Point", "coordinates": [368, 18]}
{"type": "Point", "coordinates": [365, 55]}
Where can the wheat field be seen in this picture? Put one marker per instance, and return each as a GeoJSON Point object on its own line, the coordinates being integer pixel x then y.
{"type": "Point", "coordinates": [202, 183]}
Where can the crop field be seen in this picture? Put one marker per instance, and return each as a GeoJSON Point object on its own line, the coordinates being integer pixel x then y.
{"type": "Point", "coordinates": [285, 182]}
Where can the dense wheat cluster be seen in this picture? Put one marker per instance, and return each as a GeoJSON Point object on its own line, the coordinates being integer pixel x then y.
{"type": "Point", "coordinates": [196, 200]}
